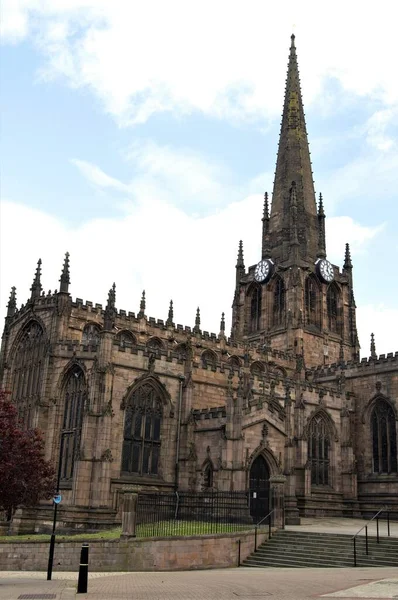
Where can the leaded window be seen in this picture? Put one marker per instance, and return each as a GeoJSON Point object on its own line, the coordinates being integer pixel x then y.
{"type": "Point", "coordinates": [255, 310]}
{"type": "Point", "coordinates": [141, 444]}
{"type": "Point", "coordinates": [208, 476]}
{"type": "Point", "coordinates": [311, 301]}
{"type": "Point", "coordinates": [91, 334]}
{"type": "Point", "coordinates": [27, 371]}
{"type": "Point", "coordinates": [319, 450]}
{"type": "Point", "coordinates": [74, 394]}
{"type": "Point", "coordinates": [279, 302]}
{"type": "Point", "coordinates": [126, 340]}
{"type": "Point", "coordinates": [332, 300]}
{"type": "Point", "coordinates": [209, 358]}
{"type": "Point", "coordinates": [384, 437]}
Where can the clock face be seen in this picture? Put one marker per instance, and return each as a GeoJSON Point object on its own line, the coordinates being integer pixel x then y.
{"type": "Point", "coordinates": [263, 271]}
{"type": "Point", "coordinates": [326, 270]}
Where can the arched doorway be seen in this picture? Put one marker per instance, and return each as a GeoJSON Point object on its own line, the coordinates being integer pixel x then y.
{"type": "Point", "coordinates": [259, 489]}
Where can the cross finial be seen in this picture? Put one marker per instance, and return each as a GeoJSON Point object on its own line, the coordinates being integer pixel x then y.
{"type": "Point", "coordinates": [222, 323]}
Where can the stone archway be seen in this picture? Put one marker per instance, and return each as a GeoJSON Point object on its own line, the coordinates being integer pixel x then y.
{"type": "Point", "coordinates": [259, 488]}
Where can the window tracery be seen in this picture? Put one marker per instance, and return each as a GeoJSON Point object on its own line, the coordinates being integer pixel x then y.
{"type": "Point", "coordinates": [141, 445]}
{"type": "Point", "coordinates": [279, 302]}
{"type": "Point", "coordinates": [332, 300]}
{"type": "Point", "coordinates": [255, 309]}
{"type": "Point", "coordinates": [75, 393]}
{"type": "Point", "coordinates": [154, 344]}
{"type": "Point", "coordinates": [126, 339]}
{"type": "Point", "coordinates": [311, 301]}
{"type": "Point", "coordinates": [319, 450]}
{"type": "Point", "coordinates": [27, 371]}
{"type": "Point", "coordinates": [384, 438]}
{"type": "Point", "coordinates": [209, 358]}
{"type": "Point", "coordinates": [208, 474]}
{"type": "Point", "coordinates": [90, 334]}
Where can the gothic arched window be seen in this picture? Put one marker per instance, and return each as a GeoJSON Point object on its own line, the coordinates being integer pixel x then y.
{"type": "Point", "coordinates": [311, 301]}
{"type": "Point", "coordinates": [27, 369]}
{"type": "Point", "coordinates": [279, 302]}
{"type": "Point", "coordinates": [126, 339]}
{"type": "Point", "coordinates": [209, 358]}
{"type": "Point", "coordinates": [155, 345]}
{"type": "Point", "coordinates": [319, 450]}
{"type": "Point", "coordinates": [74, 393]}
{"type": "Point", "coordinates": [257, 368]}
{"type": "Point", "coordinates": [208, 476]}
{"type": "Point", "coordinates": [141, 444]}
{"type": "Point", "coordinates": [332, 300]}
{"type": "Point", "coordinates": [90, 334]}
{"type": "Point", "coordinates": [384, 438]}
{"type": "Point", "coordinates": [234, 362]}
{"type": "Point", "coordinates": [255, 310]}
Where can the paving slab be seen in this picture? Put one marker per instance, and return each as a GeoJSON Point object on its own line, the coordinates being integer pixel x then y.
{"type": "Point", "coordinates": [218, 584]}
{"type": "Point", "coordinates": [344, 526]}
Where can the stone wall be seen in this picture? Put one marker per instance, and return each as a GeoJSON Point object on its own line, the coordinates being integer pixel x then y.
{"type": "Point", "coordinates": [151, 554]}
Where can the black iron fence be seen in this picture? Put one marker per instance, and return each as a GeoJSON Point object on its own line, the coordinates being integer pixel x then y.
{"type": "Point", "coordinates": [184, 513]}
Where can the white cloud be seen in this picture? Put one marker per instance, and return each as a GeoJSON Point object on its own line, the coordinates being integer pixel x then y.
{"type": "Point", "coordinates": [156, 245]}
{"type": "Point", "coordinates": [219, 58]}
{"type": "Point", "coordinates": [383, 322]}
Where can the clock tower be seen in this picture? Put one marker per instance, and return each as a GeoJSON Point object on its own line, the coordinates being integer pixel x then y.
{"type": "Point", "coordinates": [294, 299]}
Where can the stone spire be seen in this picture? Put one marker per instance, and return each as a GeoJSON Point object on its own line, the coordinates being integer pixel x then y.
{"type": "Point", "coordinates": [321, 224]}
{"type": "Point", "coordinates": [12, 303]}
{"type": "Point", "coordinates": [110, 310]}
{"type": "Point", "coordinates": [265, 220]}
{"type": "Point", "coordinates": [197, 321]}
{"type": "Point", "coordinates": [293, 215]}
{"type": "Point", "coordinates": [372, 346]}
{"type": "Point", "coordinates": [141, 314]}
{"type": "Point", "coordinates": [36, 285]}
{"type": "Point", "coordinates": [347, 258]}
{"type": "Point", "coordinates": [293, 164]}
{"type": "Point", "coordinates": [170, 315]}
{"type": "Point", "coordinates": [240, 265]}
{"type": "Point", "coordinates": [65, 276]}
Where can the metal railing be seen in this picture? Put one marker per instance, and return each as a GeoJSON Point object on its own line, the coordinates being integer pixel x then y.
{"type": "Point", "coordinates": [365, 527]}
{"type": "Point", "coordinates": [197, 513]}
{"type": "Point", "coordinates": [269, 527]}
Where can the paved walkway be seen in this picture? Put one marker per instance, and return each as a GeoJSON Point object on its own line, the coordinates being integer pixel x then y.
{"type": "Point", "coordinates": [226, 584]}
{"type": "Point", "coordinates": [346, 526]}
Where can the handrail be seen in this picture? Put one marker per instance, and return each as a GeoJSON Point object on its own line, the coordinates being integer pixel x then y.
{"type": "Point", "coordinates": [269, 528]}
{"type": "Point", "coordinates": [383, 508]}
{"type": "Point", "coordinates": [376, 516]}
{"type": "Point", "coordinates": [263, 519]}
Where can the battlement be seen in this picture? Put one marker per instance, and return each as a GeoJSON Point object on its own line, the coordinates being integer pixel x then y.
{"type": "Point", "coordinates": [361, 365]}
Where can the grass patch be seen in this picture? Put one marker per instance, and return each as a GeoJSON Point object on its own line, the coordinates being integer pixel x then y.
{"type": "Point", "coordinates": [160, 529]}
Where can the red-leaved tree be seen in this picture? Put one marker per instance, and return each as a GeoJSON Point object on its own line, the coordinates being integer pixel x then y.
{"type": "Point", "coordinates": [25, 476]}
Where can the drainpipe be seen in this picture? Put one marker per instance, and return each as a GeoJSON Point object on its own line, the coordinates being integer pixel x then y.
{"type": "Point", "coordinates": [176, 471]}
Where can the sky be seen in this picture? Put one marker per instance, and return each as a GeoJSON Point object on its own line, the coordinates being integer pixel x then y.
{"type": "Point", "coordinates": [141, 137]}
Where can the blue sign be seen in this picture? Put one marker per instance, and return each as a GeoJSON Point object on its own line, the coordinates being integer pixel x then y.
{"type": "Point", "coordinates": [57, 499]}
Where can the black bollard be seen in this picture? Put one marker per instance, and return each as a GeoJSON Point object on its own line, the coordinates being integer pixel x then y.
{"type": "Point", "coordinates": [83, 571]}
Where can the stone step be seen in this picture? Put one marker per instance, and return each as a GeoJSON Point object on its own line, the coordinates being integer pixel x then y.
{"type": "Point", "coordinates": [306, 549]}
{"type": "Point", "coordinates": [346, 557]}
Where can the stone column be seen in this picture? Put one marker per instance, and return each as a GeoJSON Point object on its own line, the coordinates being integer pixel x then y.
{"type": "Point", "coordinates": [277, 489]}
{"type": "Point", "coordinates": [129, 511]}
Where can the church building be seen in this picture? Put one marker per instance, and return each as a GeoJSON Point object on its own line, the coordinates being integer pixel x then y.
{"type": "Point", "coordinates": [285, 400]}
